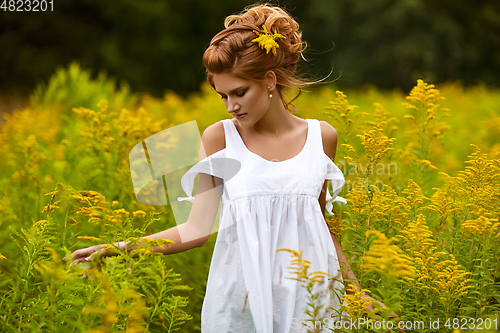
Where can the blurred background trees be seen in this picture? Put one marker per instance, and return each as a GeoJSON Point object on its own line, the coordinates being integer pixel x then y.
{"type": "Point", "coordinates": [156, 45]}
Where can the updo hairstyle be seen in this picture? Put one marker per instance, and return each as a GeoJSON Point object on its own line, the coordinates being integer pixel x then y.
{"type": "Point", "coordinates": [232, 50]}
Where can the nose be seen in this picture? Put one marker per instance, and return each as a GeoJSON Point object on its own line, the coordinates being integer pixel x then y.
{"type": "Point", "coordinates": [232, 106]}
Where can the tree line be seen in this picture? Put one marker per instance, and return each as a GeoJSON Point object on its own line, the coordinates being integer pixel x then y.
{"type": "Point", "coordinates": [158, 44]}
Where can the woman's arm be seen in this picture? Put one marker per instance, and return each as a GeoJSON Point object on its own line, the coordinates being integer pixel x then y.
{"type": "Point", "coordinates": [345, 268]}
{"type": "Point", "coordinates": [329, 136]}
{"type": "Point", "coordinates": [196, 231]}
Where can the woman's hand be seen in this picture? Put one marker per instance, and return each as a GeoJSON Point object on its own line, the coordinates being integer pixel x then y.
{"type": "Point", "coordinates": [87, 255]}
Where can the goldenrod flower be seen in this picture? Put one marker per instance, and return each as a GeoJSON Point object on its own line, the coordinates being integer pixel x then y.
{"type": "Point", "coordinates": [355, 303]}
{"type": "Point", "coordinates": [483, 225]}
{"type": "Point", "coordinates": [349, 148]}
{"type": "Point", "coordinates": [39, 223]}
{"type": "Point", "coordinates": [345, 114]}
{"type": "Point", "coordinates": [414, 194]}
{"type": "Point", "coordinates": [158, 242]}
{"type": "Point", "coordinates": [267, 41]}
{"type": "Point", "coordinates": [376, 144]}
{"type": "Point", "coordinates": [89, 238]}
{"type": "Point", "coordinates": [418, 238]}
{"type": "Point", "coordinates": [443, 276]}
{"type": "Point", "coordinates": [49, 208]}
{"type": "Point", "coordinates": [139, 213]}
{"type": "Point", "coordinates": [428, 164]}
{"type": "Point", "coordinates": [441, 203]}
{"type": "Point", "coordinates": [451, 281]}
{"type": "Point", "coordinates": [336, 224]}
{"type": "Point", "coordinates": [386, 258]}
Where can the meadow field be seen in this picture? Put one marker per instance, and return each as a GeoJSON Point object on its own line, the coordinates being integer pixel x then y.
{"type": "Point", "coordinates": [420, 227]}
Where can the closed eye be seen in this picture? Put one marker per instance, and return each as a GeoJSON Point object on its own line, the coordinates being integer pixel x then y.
{"type": "Point", "coordinates": [241, 93]}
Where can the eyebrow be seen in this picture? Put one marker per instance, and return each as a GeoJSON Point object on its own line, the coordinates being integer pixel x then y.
{"type": "Point", "coordinates": [232, 91]}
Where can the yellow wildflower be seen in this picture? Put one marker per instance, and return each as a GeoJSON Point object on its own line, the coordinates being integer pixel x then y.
{"type": "Point", "coordinates": [301, 265]}
{"type": "Point", "coordinates": [376, 144]}
{"type": "Point", "coordinates": [444, 277]}
{"type": "Point", "coordinates": [386, 258]}
{"type": "Point", "coordinates": [81, 199]}
{"type": "Point", "coordinates": [451, 281]}
{"type": "Point", "coordinates": [349, 148]}
{"type": "Point", "coordinates": [121, 213]}
{"type": "Point", "coordinates": [336, 225]}
{"type": "Point", "coordinates": [48, 179]}
{"type": "Point", "coordinates": [158, 242]}
{"type": "Point", "coordinates": [103, 105]}
{"type": "Point", "coordinates": [267, 41]}
{"type": "Point", "coordinates": [139, 213]}
{"type": "Point", "coordinates": [414, 194]}
{"type": "Point", "coordinates": [428, 164]}
{"type": "Point", "coordinates": [423, 94]}
{"type": "Point", "coordinates": [389, 208]}
{"type": "Point", "coordinates": [84, 112]}
{"type": "Point", "coordinates": [89, 238]}
{"type": "Point", "coordinates": [49, 208]}
{"type": "Point", "coordinates": [2, 257]}
{"type": "Point", "coordinates": [418, 237]}
{"type": "Point", "coordinates": [345, 114]}
{"type": "Point", "coordinates": [482, 225]}
{"type": "Point", "coordinates": [39, 223]}
{"type": "Point", "coordinates": [355, 303]}
{"type": "Point", "coordinates": [94, 196]}
{"type": "Point", "coordinates": [441, 203]}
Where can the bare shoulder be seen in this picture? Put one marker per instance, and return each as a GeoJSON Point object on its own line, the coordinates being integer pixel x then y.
{"type": "Point", "coordinates": [330, 137]}
{"type": "Point", "coordinates": [213, 139]}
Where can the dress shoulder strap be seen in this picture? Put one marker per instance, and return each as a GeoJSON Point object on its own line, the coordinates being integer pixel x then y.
{"type": "Point", "coordinates": [316, 138]}
{"type": "Point", "coordinates": [234, 143]}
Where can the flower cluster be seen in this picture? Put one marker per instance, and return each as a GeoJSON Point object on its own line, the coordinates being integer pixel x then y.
{"type": "Point", "coordinates": [267, 41]}
{"type": "Point", "coordinates": [355, 303]}
{"type": "Point", "coordinates": [386, 258]}
{"type": "Point", "coordinates": [376, 144]}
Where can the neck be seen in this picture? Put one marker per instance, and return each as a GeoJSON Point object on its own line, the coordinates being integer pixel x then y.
{"type": "Point", "coordinates": [277, 119]}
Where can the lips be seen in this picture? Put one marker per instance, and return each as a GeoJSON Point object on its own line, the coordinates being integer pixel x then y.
{"type": "Point", "coordinates": [239, 116]}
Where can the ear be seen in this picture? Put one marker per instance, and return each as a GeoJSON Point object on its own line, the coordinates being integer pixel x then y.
{"type": "Point", "coordinates": [271, 80]}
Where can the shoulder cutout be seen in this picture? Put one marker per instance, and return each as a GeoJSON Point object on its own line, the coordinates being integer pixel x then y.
{"type": "Point", "coordinates": [329, 136]}
{"type": "Point", "coordinates": [213, 140]}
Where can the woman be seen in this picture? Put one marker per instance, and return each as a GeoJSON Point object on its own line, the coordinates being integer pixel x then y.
{"type": "Point", "coordinates": [278, 197]}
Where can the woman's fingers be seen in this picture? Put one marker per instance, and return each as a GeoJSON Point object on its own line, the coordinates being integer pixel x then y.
{"type": "Point", "coordinates": [86, 255]}
{"type": "Point", "coordinates": [82, 255]}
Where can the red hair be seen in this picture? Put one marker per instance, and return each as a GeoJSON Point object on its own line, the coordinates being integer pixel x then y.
{"type": "Point", "coordinates": [232, 50]}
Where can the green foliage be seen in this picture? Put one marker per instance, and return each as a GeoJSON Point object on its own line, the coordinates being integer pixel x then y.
{"type": "Point", "coordinates": [74, 86]}
{"type": "Point", "coordinates": [42, 220]}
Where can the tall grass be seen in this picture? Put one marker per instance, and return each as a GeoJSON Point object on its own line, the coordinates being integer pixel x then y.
{"type": "Point", "coordinates": [412, 176]}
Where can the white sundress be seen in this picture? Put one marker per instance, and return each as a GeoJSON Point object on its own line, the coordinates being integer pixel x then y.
{"type": "Point", "coordinates": [266, 206]}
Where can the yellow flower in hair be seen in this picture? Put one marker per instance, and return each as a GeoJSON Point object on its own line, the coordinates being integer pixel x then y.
{"type": "Point", "coordinates": [267, 41]}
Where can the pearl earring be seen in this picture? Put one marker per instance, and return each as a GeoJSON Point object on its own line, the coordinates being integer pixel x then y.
{"type": "Point", "coordinates": [271, 94]}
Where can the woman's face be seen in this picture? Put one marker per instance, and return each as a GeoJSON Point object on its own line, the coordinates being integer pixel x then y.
{"type": "Point", "coordinates": [246, 100]}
